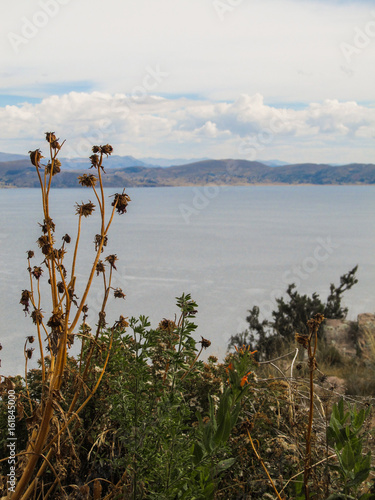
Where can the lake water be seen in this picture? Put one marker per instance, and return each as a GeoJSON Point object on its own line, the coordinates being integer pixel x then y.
{"type": "Point", "coordinates": [230, 247]}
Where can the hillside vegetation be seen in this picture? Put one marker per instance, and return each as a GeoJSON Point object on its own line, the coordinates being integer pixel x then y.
{"type": "Point", "coordinates": [20, 173]}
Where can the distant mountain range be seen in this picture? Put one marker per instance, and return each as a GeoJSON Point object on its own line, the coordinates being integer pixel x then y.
{"type": "Point", "coordinates": [126, 171]}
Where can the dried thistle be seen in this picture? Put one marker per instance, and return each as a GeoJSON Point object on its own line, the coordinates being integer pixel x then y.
{"type": "Point", "coordinates": [121, 201]}
{"type": "Point", "coordinates": [37, 272]}
{"type": "Point", "coordinates": [29, 352]}
{"type": "Point", "coordinates": [121, 323]}
{"type": "Point", "coordinates": [37, 316]}
{"type": "Point", "coordinates": [100, 268]}
{"type": "Point", "coordinates": [94, 160]}
{"type": "Point", "coordinates": [111, 259]}
{"type": "Point", "coordinates": [56, 167]}
{"type": "Point", "coordinates": [205, 343]}
{"type": "Point", "coordinates": [302, 339]}
{"type": "Point", "coordinates": [118, 293]}
{"type": "Point", "coordinates": [85, 209]}
{"type": "Point", "coordinates": [98, 239]}
{"type": "Point", "coordinates": [106, 149]}
{"type": "Point", "coordinates": [87, 180]}
{"type": "Point", "coordinates": [167, 325]}
{"type": "Point", "coordinates": [35, 157]}
{"type": "Point", "coordinates": [25, 300]}
{"type": "Point", "coordinates": [50, 137]}
{"type": "Point", "coordinates": [56, 320]}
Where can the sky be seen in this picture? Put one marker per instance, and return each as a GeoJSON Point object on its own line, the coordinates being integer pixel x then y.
{"type": "Point", "coordinates": [254, 79]}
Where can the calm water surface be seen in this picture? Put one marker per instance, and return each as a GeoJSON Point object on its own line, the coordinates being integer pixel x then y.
{"type": "Point", "coordinates": [231, 248]}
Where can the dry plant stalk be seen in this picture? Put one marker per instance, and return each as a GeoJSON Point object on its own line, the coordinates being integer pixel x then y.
{"type": "Point", "coordinates": [68, 312]}
{"type": "Point", "coordinates": [310, 342]}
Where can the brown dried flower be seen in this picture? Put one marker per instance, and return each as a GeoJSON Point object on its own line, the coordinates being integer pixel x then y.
{"type": "Point", "coordinates": [30, 254]}
{"type": "Point", "coordinates": [167, 325]}
{"type": "Point", "coordinates": [85, 209]}
{"type": "Point", "coordinates": [106, 149]}
{"type": "Point", "coordinates": [56, 167]}
{"type": "Point", "coordinates": [56, 320]}
{"type": "Point", "coordinates": [50, 137]}
{"type": "Point", "coordinates": [302, 339]}
{"type": "Point", "coordinates": [37, 272]}
{"type": "Point", "coordinates": [30, 339]}
{"type": "Point", "coordinates": [60, 287]}
{"type": "Point", "coordinates": [118, 294]}
{"type": "Point", "coordinates": [35, 157]}
{"type": "Point", "coordinates": [45, 244]}
{"type": "Point", "coordinates": [95, 149]}
{"type": "Point", "coordinates": [25, 300]}
{"type": "Point", "coordinates": [121, 323]}
{"type": "Point", "coordinates": [87, 180]}
{"type": "Point", "coordinates": [66, 238]}
{"type": "Point", "coordinates": [121, 201]}
{"type": "Point", "coordinates": [94, 160]}
{"type": "Point", "coordinates": [205, 343]}
{"type": "Point", "coordinates": [37, 316]}
{"type": "Point", "coordinates": [112, 259]}
{"type": "Point", "coordinates": [100, 268]}
{"type": "Point", "coordinates": [98, 239]}
{"type": "Point", "coordinates": [29, 352]}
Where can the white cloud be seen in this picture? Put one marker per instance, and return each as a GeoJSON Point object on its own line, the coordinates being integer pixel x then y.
{"type": "Point", "coordinates": [155, 126]}
{"type": "Point", "coordinates": [284, 49]}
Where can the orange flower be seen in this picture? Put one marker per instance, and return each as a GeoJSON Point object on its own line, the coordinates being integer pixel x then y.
{"type": "Point", "coordinates": [244, 379]}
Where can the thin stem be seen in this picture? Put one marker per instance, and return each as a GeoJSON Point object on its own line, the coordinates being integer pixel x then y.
{"type": "Point", "coordinates": [263, 465]}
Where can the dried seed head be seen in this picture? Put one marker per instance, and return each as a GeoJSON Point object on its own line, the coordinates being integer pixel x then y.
{"type": "Point", "coordinates": [121, 201]}
{"type": "Point", "coordinates": [94, 159]}
{"type": "Point", "coordinates": [102, 322]}
{"type": "Point", "coordinates": [121, 323]}
{"type": "Point", "coordinates": [205, 343]}
{"type": "Point", "coordinates": [85, 309]}
{"type": "Point", "coordinates": [48, 224]}
{"type": "Point", "coordinates": [29, 352]}
{"type": "Point", "coordinates": [37, 316]}
{"type": "Point", "coordinates": [30, 339]}
{"type": "Point", "coordinates": [87, 180]}
{"type": "Point", "coordinates": [95, 149]}
{"type": "Point", "coordinates": [98, 240]}
{"type": "Point", "coordinates": [56, 167]}
{"type": "Point", "coordinates": [25, 300]}
{"type": "Point", "coordinates": [167, 325]}
{"type": "Point", "coordinates": [45, 245]}
{"type": "Point", "coordinates": [35, 157]}
{"type": "Point", "coordinates": [30, 254]}
{"type": "Point", "coordinates": [85, 209]}
{"type": "Point", "coordinates": [37, 272]}
{"type": "Point", "coordinates": [60, 287]}
{"type": "Point", "coordinates": [111, 259]}
{"type": "Point", "coordinates": [66, 238]}
{"type": "Point", "coordinates": [100, 268]}
{"type": "Point", "coordinates": [302, 339]}
{"type": "Point", "coordinates": [119, 294]}
{"type": "Point", "coordinates": [56, 320]}
{"type": "Point", "coordinates": [50, 137]}
{"type": "Point", "coordinates": [106, 149]}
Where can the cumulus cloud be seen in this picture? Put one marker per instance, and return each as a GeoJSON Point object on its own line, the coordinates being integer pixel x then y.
{"type": "Point", "coordinates": [154, 126]}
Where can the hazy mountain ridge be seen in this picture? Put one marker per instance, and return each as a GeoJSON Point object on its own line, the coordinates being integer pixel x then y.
{"type": "Point", "coordinates": [21, 173]}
